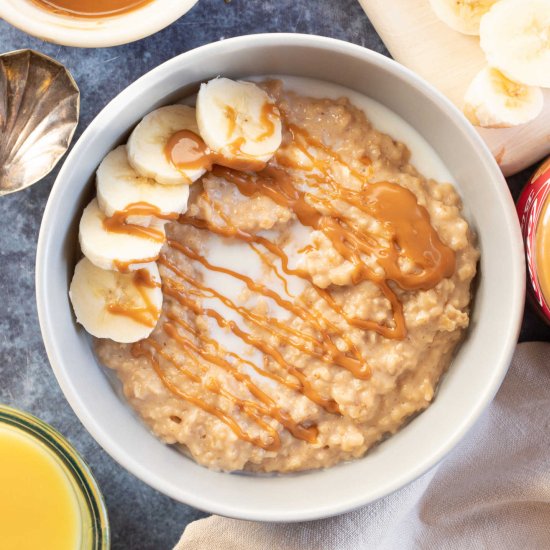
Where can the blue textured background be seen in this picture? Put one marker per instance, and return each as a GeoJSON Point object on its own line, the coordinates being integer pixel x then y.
{"type": "Point", "coordinates": [141, 518]}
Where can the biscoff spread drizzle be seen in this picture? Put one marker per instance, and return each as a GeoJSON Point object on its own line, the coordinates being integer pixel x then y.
{"type": "Point", "coordinates": [187, 151]}
{"type": "Point", "coordinates": [118, 223]}
{"type": "Point", "coordinates": [408, 235]}
{"type": "Point", "coordinates": [145, 313]}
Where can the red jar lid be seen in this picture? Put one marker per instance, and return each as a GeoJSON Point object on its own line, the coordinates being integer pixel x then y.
{"type": "Point", "coordinates": [534, 215]}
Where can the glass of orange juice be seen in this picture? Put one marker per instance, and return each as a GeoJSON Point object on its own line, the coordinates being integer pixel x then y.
{"type": "Point", "coordinates": [48, 496]}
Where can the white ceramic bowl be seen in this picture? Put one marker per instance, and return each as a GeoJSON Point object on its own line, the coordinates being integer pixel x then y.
{"type": "Point", "coordinates": [466, 389]}
{"type": "Point", "coordinates": [93, 32]}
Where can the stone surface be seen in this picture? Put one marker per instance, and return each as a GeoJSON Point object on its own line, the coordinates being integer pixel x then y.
{"type": "Point", "coordinates": [141, 518]}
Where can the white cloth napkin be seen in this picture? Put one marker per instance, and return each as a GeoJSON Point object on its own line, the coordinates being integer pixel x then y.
{"type": "Point", "coordinates": [492, 491]}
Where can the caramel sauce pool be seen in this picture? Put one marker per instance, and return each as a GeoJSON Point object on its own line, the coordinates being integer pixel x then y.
{"type": "Point", "coordinates": [91, 8]}
{"type": "Point", "coordinates": [187, 151]}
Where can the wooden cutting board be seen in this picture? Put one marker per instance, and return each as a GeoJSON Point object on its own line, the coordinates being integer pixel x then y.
{"type": "Point", "coordinates": [449, 60]}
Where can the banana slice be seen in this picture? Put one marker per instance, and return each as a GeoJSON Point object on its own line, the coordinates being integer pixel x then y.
{"type": "Point", "coordinates": [109, 243]}
{"type": "Point", "coordinates": [147, 143]}
{"type": "Point", "coordinates": [239, 122]}
{"type": "Point", "coordinates": [462, 15]}
{"type": "Point", "coordinates": [515, 36]}
{"type": "Point", "coordinates": [120, 188]}
{"type": "Point", "coordinates": [124, 307]}
{"type": "Point", "coordinates": [493, 101]}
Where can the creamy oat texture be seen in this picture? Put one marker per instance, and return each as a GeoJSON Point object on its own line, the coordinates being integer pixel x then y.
{"type": "Point", "coordinates": [195, 382]}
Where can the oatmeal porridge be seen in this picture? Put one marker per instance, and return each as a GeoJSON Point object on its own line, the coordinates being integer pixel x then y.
{"type": "Point", "coordinates": [309, 308]}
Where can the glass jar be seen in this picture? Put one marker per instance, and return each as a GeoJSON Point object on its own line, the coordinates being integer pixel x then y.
{"type": "Point", "coordinates": [49, 445]}
{"type": "Point", "coordinates": [534, 215]}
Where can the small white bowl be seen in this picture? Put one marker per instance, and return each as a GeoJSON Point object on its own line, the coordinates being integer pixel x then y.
{"type": "Point", "coordinates": [466, 389]}
{"type": "Point", "coordinates": [93, 32]}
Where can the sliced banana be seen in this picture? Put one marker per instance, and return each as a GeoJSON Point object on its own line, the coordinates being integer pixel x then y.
{"type": "Point", "coordinates": [515, 36]}
{"type": "Point", "coordinates": [110, 244]}
{"type": "Point", "coordinates": [124, 307]}
{"type": "Point", "coordinates": [462, 15]}
{"type": "Point", "coordinates": [146, 146]}
{"type": "Point", "coordinates": [119, 187]}
{"type": "Point", "coordinates": [239, 122]}
{"type": "Point", "coordinates": [493, 101]}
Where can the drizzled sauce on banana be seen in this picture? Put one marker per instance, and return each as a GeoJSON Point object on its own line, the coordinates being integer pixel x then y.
{"type": "Point", "coordinates": [409, 239]}
{"type": "Point", "coordinates": [118, 223]}
{"type": "Point", "coordinates": [187, 151]}
{"type": "Point", "coordinates": [146, 313]}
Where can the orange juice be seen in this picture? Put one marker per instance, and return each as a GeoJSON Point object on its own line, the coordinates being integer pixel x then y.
{"type": "Point", "coordinates": [38, 505]}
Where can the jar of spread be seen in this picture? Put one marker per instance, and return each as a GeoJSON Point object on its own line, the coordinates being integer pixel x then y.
{"type": "Point", "coordinates": [534, 215]}
{"type": "Point", "coordinates": [90, 8]}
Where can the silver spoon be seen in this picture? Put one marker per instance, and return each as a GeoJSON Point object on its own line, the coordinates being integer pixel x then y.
{"type": "Point", "coordinates": [39, 109]}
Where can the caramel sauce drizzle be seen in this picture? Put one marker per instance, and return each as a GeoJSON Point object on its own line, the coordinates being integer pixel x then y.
{"type": "Point", "coordinates": [328, 353]}
{"type": "Point", "coordinates": [269, 409]}
{"type": "Point", "coordinates": [179, 293]}
{"type": "Point", "coordinates": [233, 232]}
{"type": "Point", "coordinates": [209, 341]}
{"type": "Point", "coordinates": [139, 350]}
{"type": "Point", "coordinates": [265, 260]}
{"type": "Point", "coordinates": [118, 222]}
{"type": "Point", "coordinates": [268, 115]}
{"type": "Point", "coordinates": [143, 278]}
{"type": "Point", "coordinates": [408, 237]}
{"type": "Point", "coordinates": [231, 116]}
{"type": "Point", "coordinates": [187, 151]}
{"type": "Point", "coordinates": [146, 314]}
{"type": "Point", "coordinates": [319, 324]}
{"type": "Point", "coordinates": [266, 323]}
{"type": "Point", "coordinates": [124, 267]}
{"type": "Point", "coordinates": [303, 141]}
{"type": "Point", "coordinates": [250, 408]}
{"type": "Point", "coordinates": [301, 312]}
{"type": "Point", "coordinates": [412, 235]}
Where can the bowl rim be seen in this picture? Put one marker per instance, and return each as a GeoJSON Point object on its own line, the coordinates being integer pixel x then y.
{"type": "Point", "coordinates": [503, 354]}
{"type": "Point", "coordinates": [84, 32]}
{"type": "Point", "coordinates": [72, 463]}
